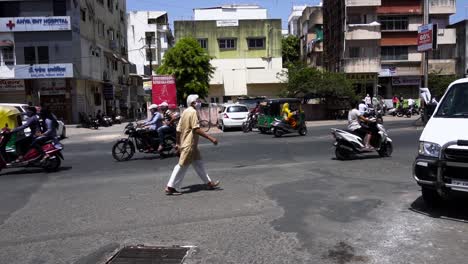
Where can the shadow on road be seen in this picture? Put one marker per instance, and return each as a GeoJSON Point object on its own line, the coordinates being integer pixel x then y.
{"type": "Point", "coordinates": [197, 188]}
{"type": "Point", "coordinates": [453, 209]}
{"type": "Point", "coordinates": [32, 171]}
{"type": "Point", "coordinates": [361, 157]}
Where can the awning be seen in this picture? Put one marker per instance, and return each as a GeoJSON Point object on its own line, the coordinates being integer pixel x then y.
{"type": "Point", "coordinates": [6, 43]}
{"type": "Point", "coordinates": [111, 55]}
{"type": "Point", "coordinates": [124, 61]}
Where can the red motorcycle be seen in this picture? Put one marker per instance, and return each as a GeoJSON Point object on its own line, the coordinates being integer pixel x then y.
{"type": "Point", "coordinates": [32, 158]}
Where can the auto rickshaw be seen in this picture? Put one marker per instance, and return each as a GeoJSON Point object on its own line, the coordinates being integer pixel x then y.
{"type": "Point", "coordinates": [271, 110]}
{"type": "Point", "coordinates": [10, 118]}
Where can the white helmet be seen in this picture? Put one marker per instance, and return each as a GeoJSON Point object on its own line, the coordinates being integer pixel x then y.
{"type": "Point", "coordinates": [153, 106]}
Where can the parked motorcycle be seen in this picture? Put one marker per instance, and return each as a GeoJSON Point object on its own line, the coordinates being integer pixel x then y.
{"type": "Point", "coordinates": [251, 123]}
{"type": "Point", "coordinates": [141, 140]}
{"type": "Point", "coordinates": [348, 144]}
{"type": "Point", "coordinates": [32, 158]}
{"type": "Point", "coordinates": [88, 121]}
{"type": "Point", "coordinates": [117, 119]}
{"type": "Point", "coordinates": [281, 127]}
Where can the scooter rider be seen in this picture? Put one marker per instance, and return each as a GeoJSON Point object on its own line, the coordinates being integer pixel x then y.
{"type": "Point", "coordinates": [32, 123]}
{"type": "Point", "coordinates": [354, 119]}
{"type": "Point", "coordinates": [169, 124]}
{"type": "Point", "coordinates": [154, 123]}
{"type": "Point", "coordinates": [50, 125]}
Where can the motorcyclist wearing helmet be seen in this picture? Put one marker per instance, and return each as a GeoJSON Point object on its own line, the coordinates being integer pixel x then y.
{"type": "Point", "coordinates": [152, 125]}
{"type": "Point", "coordinates": [169, 124]}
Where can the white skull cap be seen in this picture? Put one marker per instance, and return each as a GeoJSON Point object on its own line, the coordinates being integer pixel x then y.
{"type": "Point", "coordinates": [192, 98]}
{"type": "Point", "coordinates": [164, 104]}
{"type": "Point", "coordinates": [153, 106]}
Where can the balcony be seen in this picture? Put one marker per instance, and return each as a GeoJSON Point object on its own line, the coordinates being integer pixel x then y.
{"type": "Point", "coordinates": [363, 32]}
{"type": "Point", "coordinates": [361, 65]}
{"type": "Point", "coordinates": [447, 36]}
{"type": "Point", "coordinates": [443, 67]}
{"type": "Point", "coordinates": [437, 7]}
{"type": "Point", "coordinates": [363, 2]}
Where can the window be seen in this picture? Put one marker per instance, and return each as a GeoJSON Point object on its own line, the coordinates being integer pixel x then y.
{"type": "Point", "coordinates": [110, 34]}
{"type": "Point", "coordinates": [150, 38]}
{"type": "Point", "coordinates": [394, 53]}
{"type": "Point", "coordinates": [237, 109]}
{"type": "Point", "coordinates": [110, 5]}
{"type": "Point", "coordinates": [100, 26]}
{"type": "Point", "coordinates": [43, 54]}
{"type": "Point", "coordinates": [150, 54]}
{"type": "Point", "coordinates": [9, 9]}
{"type": "Point", "coordinates": [455, 103]}
{"type": "Point", "coordinates": [354, 52]}
{"type": "Point", "coordinates": [100, 2]}
{"type": "Point", "coordinates": [83, 15]}
{"type": "Point", "coordinates": [29, 55]}
{"type": "Point", "coordinates": [122, 16]}
{"type": "Point", "coordinates": [227, 44]}
{"type": "Point", "coordinates": [7, 56]}
{"type": "Point", "coordinates": [115, 65]}
{"type": "Point", "coordinates": [256, 43]}
{"type": "Point", "coordinates": [203, 43]}
{"type": "Point", "coordinates": [442, 2]}
{"type": "Point", "coordinates": [394, 23]}
{"type": "Point", "coordinates": [60, 8]}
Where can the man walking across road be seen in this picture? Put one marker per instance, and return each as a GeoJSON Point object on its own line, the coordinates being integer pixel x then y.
{"type": "Point", "coordinates": [188, 132]}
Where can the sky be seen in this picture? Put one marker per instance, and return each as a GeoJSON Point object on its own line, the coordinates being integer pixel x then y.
{"type": "Point", "coordinates": [183, 9]}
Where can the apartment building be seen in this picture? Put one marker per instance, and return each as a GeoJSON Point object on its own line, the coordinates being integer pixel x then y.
{"type": "Point", "coordinates": [461, 28]}
{"type": "Point", "coordinates": [149, 37]}
{"type": "Point", "coordinates": [70, 56]}
{"type": "Point", "coordinates": [245, 46]}
{"type": "Point", "coordinates": [377, 43]}
{"type": "Point", "coordinates": [296, 14]}
{"type": "Point", "coordinates": [310, 29]}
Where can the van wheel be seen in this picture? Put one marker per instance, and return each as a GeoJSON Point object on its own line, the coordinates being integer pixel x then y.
{"type": "Point", "coordinates": [431, 197]}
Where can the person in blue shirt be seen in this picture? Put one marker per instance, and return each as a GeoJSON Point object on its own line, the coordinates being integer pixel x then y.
{"type": "Point", "coordinates": [155, 122]}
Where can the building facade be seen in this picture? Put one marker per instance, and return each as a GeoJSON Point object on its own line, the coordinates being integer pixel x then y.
{"type": "Point", "coordinates": [378, 43]}
{"type": "Point", "coordinates": [462, 40]}
{"type": "Point", "coordinates": [149, 37]}
{"type": "Point", "coordinates": [246, 47]}
{"type": "Point", "coordinates": [296, 14]}
{"type": "Point", "coordinates": [70, 56]}
{"type": "Point", "coordinates": [310, 29]}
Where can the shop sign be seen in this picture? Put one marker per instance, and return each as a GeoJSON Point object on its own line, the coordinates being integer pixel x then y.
{"type": "Point", "coordinates": [19, 24]}
{"type": "Point", "coordinates": [387, 71]}
{"type": "Point", "coordinates": [53, 87]}
{"type": "Point", "coordinates": [11, 85]}
{"type": "Point", "coordinates": [227, 23]}
{"type": "Point", "coordinates": [164, 90]}
{"type": "Point", "coordinates": [148, 85]}
{"type": "Point", "coordinates": [406, 80]}
{"type": "Point", "coordinates": [108, 91]}
{"type": "Point", "coordinates": [38, 71]}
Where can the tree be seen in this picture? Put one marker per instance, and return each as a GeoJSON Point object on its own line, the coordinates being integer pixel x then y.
{"type": "Point", "coordinates": [191, 66]}
{"type": "Point", "coordinates": [300, 81]}
{"type": "Point", "coordinates": [291, 50]}
{"type": "Point", "coordinates": [438, 84]}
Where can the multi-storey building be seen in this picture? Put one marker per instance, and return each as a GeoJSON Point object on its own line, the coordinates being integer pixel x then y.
{"type": "Point", "coordinates": [310, 27]}
{"type": "Point", "coordinates": [70, 56]}
{"type": "Point", "coordinates": [461, 28]}
{"type": "Point", "coordinates": [245, 45]}
{"type": "Point", "coordinates": [149, 37]}
{"type": "Point", "coordinates": [375, 42]}
{"type": "Point", "coordinates": [293, 18]}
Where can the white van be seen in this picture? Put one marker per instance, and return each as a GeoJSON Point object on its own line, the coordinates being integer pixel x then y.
{"type": "Point", "coordinates": [441, 167]}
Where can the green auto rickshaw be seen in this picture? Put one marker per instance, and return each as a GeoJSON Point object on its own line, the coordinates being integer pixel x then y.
{"type": "Point", "coordinates": [271, 110]}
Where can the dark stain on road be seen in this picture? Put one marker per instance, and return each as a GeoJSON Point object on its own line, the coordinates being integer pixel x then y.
{"type": "Point", "coordinates": [343, 253]}
{"type": "Point", "coordinates": [347, 211]}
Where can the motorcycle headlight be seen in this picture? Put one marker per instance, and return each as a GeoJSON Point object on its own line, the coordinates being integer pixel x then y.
{"type": "Point", "coordinates": [429, 149]}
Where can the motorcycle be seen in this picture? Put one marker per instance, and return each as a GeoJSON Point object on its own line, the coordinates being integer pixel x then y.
{"type": "Point", "coordinates": [141, 140]}
{"type": "Point", "coordinates": [281, 127]}
{"type": "Point", "coordinates": [251, 123]}
{"type": "Point", "coordinates": [88, 121]}
{"type": "Point", "coordinates": [32, 158]}
{"type": "Point", "coordinates": [117, 119]}
{"type": "Point", "coordinates": [348, 144]}
{"type": "Point", "coordinates": [375, 113]}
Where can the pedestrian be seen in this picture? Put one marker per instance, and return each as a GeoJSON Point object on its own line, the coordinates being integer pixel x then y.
{"type": "Point", "coordinates": [188, 132]}
{"type": "Point", "coordinates": [395, 101]}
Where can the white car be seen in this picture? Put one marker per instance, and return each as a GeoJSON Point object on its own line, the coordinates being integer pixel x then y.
{"type": "Point", "coordinates": [232, 115]}
{"type": "Point", "coordinates": [61, 130]}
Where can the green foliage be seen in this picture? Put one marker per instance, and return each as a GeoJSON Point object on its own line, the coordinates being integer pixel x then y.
{"type": "Point", "coordinates": [438, 84]}
{"type": "Point", "coordinates": [300, 80]}
{"type": "Point", "coordinates": [190, 65]}
{"type": "Point", "coordinates": [291, 50]}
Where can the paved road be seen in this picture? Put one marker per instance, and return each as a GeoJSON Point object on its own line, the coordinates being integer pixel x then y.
{"type": "Point", "coordinates": [282, 201]}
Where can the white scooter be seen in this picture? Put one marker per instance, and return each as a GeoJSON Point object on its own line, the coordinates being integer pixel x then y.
{"type": "Point", "coordinates": [348, 145]}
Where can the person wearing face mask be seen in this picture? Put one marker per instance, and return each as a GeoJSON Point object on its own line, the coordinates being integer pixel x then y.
{"type": "Point", "coordinates": [32, 123]}
{"type": "Point", "coordinates": [188, 132]}
{"type": "Point", "coordinates": [169, 124]}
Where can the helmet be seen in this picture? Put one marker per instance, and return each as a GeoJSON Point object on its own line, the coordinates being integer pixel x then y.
{"type": "Point", "coordinates": [164, 105]}
{"type": "Point", "coordinates": [153, 106]}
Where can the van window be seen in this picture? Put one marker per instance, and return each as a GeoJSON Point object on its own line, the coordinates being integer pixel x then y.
{"type": "Point", "coordinates": [455, 103]}
{"type": "Point", "coordinates": [237, 109]}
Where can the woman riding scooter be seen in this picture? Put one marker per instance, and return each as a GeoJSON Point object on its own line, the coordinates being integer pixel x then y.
{"type": "Point", "coordinates": [32, 123]}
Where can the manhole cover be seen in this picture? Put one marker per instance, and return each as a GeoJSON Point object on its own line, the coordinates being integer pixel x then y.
{"type": "Point", "coordinates": [149, 255]}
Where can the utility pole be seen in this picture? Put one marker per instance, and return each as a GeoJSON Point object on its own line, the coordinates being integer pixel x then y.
{"type": "Point", "coordinates": [426, 53]}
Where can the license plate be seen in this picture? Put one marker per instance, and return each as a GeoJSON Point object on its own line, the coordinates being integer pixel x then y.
{"type": "Point", "coordinates": [461, 184]}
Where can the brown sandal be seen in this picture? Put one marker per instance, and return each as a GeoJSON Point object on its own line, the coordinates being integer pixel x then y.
{"type": "Point", "coordinates": [172, 191]}
{"type": "Point", "coordinates": [212, 185]}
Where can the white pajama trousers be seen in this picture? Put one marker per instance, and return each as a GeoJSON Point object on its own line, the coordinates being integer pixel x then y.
{"type": "Point", "coordinates": [179, 173]}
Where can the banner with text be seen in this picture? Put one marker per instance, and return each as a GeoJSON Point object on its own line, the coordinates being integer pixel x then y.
{"type": "Point", "coordinates": [427, 37]}
{"type": "Point", "coordinates": [164, 90]}
{"type": "Point", "coordinates": [23, 24]}
{"type": "Point", "coordinates": [38, 71]}
{"type": "Point", "coordinates": [11, 85]}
